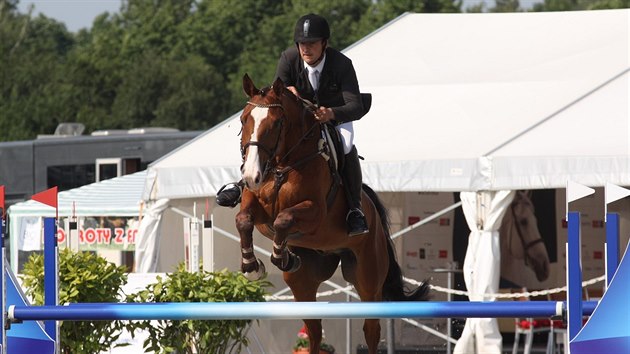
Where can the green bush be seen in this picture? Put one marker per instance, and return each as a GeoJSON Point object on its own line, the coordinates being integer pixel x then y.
{"type": "Point", "coordinates": [188, 336]}
{"type": "Point", "coordinates": [83, 277]}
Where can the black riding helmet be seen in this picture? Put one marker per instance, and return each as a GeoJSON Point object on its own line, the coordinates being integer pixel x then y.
{"type": "Point", "coordinates": [311, 28]}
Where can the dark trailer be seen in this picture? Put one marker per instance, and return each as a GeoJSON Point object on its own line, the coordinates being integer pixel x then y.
{"type": "Point", "coordinates": [71, 161]}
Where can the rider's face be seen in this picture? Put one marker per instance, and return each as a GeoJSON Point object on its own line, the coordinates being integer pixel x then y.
{"type": "Point", "coordinates": [311, 52]}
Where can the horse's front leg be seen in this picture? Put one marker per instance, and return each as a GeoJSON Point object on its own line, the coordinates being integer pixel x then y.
{"type": "Point", "coordinates": [301, 217]}
{"type": "Point", "coordinates": [251, 266]}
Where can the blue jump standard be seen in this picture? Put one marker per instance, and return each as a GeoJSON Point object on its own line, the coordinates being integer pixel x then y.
{"type": "Point", "coordinates": [290, 310]}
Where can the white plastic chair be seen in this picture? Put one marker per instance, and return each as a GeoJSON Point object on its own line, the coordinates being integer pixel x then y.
{"type": "Point", "coordinates": [528, 326]}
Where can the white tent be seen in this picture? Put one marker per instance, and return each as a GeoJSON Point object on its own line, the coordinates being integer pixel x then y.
{"type": "Point", "coordinates": [467, 102]}
{"type": "Point", "coordinates": [117, 197]}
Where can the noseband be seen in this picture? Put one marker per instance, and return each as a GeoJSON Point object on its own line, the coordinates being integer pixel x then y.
{"type": "Point", "coordinates": [526, 245]}
{"type": "Point", "coordinates": [270, 152]}
{"type": "Point", "coordinates": [281, 173]}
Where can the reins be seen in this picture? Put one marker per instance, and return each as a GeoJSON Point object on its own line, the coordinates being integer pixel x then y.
{"type": "Point", "coordinates": [269, 152]}
{"type": "Point", "coordinates": [281, 173]}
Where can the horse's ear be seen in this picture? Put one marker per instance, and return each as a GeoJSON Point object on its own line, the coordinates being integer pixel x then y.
{"type": "Point", "coordinates": [278, 86]}
{"type": "Point", "coordinates": [249, 87]}
{"type": "Point", "coordinates": [524, 193]}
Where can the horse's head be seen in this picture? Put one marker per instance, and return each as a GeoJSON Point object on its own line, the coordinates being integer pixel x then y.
{"type": "Point", "coordinates": [262, 130]}
{"type": "Point", "coordinates": [523, 238]}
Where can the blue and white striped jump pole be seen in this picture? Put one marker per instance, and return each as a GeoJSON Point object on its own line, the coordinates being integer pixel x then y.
{"type": "Point", "coordinates": [300, 310]}
{"type": "Point", "coordinates": [290, 310]}
{"type": "Point", "coordinates": [272, 310]}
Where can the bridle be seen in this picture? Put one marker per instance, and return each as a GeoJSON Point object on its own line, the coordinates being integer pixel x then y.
{"type": "Point", "coordinates": [270, 152]}
{"type": "Point", "coordinates": [281, 173]}
{"type": "Point", "coordinates": [526, 245]}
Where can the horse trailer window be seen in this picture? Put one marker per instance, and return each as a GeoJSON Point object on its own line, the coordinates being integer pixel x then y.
{"type": "Point", "coordinates": [108, 168]}
{"type": "Point", "coordinates": [70, 176]}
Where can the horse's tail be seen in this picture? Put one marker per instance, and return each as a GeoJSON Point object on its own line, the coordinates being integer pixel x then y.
{"type": "Point", "coordinates": [393, 288]}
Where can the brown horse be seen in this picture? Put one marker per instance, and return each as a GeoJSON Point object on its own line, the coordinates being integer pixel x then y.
{"type": "Point", "coordinates": [287, 180]}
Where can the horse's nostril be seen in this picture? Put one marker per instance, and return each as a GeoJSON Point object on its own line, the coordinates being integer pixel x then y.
{"type": "Point", "coordinates": [257, 179]}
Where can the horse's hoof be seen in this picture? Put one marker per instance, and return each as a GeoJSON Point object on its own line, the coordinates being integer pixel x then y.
{"type": "Point", "coordinates": [256, 274]}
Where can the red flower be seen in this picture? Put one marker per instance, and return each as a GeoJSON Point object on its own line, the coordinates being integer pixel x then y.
{"type": "Point", "coordinates": [303, 333]}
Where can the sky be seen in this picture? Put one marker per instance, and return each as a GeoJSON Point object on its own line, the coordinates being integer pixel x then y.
{"type": "Point", "coordinates": [78, 14]}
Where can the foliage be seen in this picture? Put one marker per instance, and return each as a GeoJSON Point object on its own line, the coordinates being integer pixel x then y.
{"type": "Point", "coordinates": [572, 5]}
{"type": "Point", "coordinates": [188, 336]}
{"type": "Point", "coordinates": [175, 63]}
{"type": "Point", "coordinates": [303, 343]}
{"type": "Point", "coordinates": [506, 6]}
{"type": "Point", "coordinates": [83, 277]}
{"type": "Point", "coordinates": [32, 51]}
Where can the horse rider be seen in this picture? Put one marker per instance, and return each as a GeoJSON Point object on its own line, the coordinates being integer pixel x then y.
{"type": "Point", "coordinates": [323, 75]}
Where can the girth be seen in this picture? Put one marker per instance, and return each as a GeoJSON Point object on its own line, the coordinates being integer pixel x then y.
{"type": "Point", "coordinates": [326, 151]}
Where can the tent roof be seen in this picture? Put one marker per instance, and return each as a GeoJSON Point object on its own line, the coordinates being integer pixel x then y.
{"type": "Point", "coordinates": [465, 102]}
{"type": "Point", "coordinates": [119, 196]}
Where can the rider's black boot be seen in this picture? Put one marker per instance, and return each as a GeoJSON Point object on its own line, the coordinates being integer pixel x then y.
{"type": "Point", "coordinates": [352, 180]}
{"type": "Point", "coordinates": [229, 195]}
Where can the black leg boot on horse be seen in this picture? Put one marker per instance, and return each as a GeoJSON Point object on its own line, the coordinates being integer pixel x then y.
{"type": "Point", "coordinates": [353, 187]}
{"type": "Point", "coordinates": [230, 194]}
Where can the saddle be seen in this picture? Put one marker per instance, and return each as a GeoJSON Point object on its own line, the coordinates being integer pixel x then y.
{"type": "Point", "coordinates": [332, 148]}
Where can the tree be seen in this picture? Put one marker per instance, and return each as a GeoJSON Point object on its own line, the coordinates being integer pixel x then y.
{"type": "Point", "coordinates": [572, 5]}
{"type": "Point", "coordinates": [33, 51]}
{"type": "Point", "coordinates": [174, 63]}
{"type": "Point", "coordinates": [274, 33]}
{"type": "Point", "coordinates": [159, 91]}
{"type": "Point", "coordinates": [506, 6]}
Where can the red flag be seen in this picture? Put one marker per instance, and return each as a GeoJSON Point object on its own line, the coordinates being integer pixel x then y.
{"type": "Point", "coordinates": [2, 200]}
{"type": "Point", "coordinates": [48, 197]}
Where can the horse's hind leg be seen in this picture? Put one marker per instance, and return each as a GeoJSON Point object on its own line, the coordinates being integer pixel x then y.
{"type": "Point", "coordinates": [304, 284]}
{"type": "Point", "coordinates": [304, 288]}
{"type": "Point", "coordinates": [371, 327]}
{"type": "Point", "coordinates": [368, 276]}
{"type": "Point", "coordinates": [372, 332]}
{"type": "Point", "coordinates": [314, 328]}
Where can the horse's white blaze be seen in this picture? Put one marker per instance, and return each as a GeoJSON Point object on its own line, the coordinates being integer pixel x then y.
{"type": "Point", "coordinates": [251, 167]}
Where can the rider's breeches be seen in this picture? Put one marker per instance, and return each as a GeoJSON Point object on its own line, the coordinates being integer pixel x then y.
{"type": "Point", "coordinates": [346, 131]}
